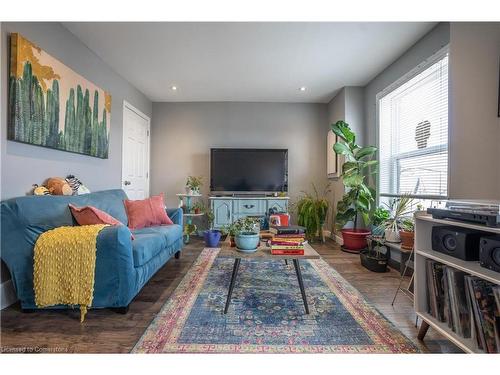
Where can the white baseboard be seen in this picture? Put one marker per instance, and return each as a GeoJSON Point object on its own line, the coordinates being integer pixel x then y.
{"type": "Point", "coordinates": [334, 237]}
{"type": "Point", "coordinates": [7, 294]}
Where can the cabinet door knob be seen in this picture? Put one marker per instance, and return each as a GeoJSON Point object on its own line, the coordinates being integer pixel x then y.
{"type": "Point", "coordinates": [126, 183]}
{"type": "Point", "coordinates": [249, 206]}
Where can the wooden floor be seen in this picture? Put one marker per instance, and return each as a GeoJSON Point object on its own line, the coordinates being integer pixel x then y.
{"type": "Point", "coordinates": [105, 331]}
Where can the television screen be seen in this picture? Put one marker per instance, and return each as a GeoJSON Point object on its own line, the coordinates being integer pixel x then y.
{"type": "Point", "coordinates": [248, 170]}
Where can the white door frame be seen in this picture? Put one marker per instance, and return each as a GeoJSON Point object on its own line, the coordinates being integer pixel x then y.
{"type": "Point", "coordinates": [128, 106]}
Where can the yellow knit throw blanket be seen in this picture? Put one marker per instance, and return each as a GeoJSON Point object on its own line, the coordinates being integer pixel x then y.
{"type": "Point", "coordinates": [64, 266]}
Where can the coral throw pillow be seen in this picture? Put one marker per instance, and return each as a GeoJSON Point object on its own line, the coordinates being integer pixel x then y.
{"type": "Point", "coordinates": [89, 215]}
{"type": "Point", "coordinates": [146, 213]}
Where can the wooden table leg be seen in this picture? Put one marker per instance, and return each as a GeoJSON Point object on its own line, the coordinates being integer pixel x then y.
{"type": "Point", "coordinates": [301, 284]}
{"type": "Point", "coordinates": [231, 284]}
{"type": "Point", "coordinates": [424, 327]}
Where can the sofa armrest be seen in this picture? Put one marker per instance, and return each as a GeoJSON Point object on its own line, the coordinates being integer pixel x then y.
{"type": "Point", "coordinates": [114, 271]}
{"type": "Point", "coordinates": [175, 214]}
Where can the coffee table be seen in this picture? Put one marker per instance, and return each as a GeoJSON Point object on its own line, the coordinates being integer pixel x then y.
{"type": "Point", "coordinates": [264, 253]}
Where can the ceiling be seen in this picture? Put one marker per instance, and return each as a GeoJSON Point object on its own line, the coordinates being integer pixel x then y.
{"type": "Point", "coordinates": [248, 62]}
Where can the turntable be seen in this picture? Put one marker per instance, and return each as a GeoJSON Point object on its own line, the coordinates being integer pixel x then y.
{"type": "Point", "coordinates": [474, 211]}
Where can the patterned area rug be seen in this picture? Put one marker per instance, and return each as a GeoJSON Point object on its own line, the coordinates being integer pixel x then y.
{"type": "Point", "coordinates": [267, 314]}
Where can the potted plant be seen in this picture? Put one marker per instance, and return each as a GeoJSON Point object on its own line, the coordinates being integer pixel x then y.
{"type": "Point", "coordinates": [193, 185]}
{"type": "Point", "coordinates": [189, 229]}
{"type": "Point", "coordinates": [359, 197]}
{"type": "Point", "coordinates": [312, 210]}
{"type": "Point", "coordinates": [211, 236]}
{"type": "Point", "coordinates": [379, 216]}
{"type": "Point", "coordinates": [247, 236]}
{"type": "Point", "coordinates": [407, 233]}
{"type": "Point", "coordinates": [198, 207]}
{"type": "Point", "coordinates": [224, 232]}
{"type": "Point", "coordinates": [399, 208]}
{"type": "Point", "coordinates": [233, 230]}
{"type": "Point", "coordinates": [372, 257]}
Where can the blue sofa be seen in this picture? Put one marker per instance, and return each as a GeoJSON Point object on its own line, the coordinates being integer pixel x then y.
{"type": "Point", "coordinates": [122, 267]}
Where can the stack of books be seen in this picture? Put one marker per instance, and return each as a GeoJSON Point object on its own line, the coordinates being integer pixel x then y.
{"type": "Point", "coordinates": [469, 305]}
{"type": "Point", "coordinates": [287, 240]}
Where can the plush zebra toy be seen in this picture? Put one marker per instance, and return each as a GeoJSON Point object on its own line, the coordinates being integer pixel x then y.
{"type": "Point", "coordinates": [76, 185]}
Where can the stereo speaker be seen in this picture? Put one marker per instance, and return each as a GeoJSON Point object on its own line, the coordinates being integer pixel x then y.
{"type": "Point", "coordinates": [458, 242]}
{"type": "Point", "coordinates": [489, 253]}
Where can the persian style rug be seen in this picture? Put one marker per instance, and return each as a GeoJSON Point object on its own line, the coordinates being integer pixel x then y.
{"type": "Point", "coordinates": [266, 314]}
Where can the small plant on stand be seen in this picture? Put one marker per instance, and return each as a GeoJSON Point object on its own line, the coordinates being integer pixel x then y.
{"type": "Point", "coordinates": [193, 185]}
{"type": "Point", "coordinates": [400, 209]}
{"type": "Point", "coordinates": [189, 229]}
{"type": "Point", "coordinates": [407, 233]}
{"type": "Point", "coordinates": [198, 208]}
{"type": "Point", "coordinates": [379, 217]}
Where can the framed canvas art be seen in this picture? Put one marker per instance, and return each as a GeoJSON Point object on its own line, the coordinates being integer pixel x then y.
{"type": "Point", "coordinates": [52, 106]}
{"type": "Point", "coordinates": [333, 161]}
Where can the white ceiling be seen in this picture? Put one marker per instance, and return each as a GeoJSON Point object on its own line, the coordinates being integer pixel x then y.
{"type": "Point", "coordinates": [256, 62]}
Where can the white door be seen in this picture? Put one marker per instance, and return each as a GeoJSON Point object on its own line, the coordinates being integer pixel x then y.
{"type": "Point", "coordinates": [135, 153]}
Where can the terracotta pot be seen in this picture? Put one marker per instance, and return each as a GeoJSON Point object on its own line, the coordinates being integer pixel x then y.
{"type": "Point", "coordinates": [233, 243]}
{"type": "Point", "coordinates": [354, 239]}
{"type": "Point", "coordinates": [407, 239]}
{"type": "Point", "coordinates": [196, 211]}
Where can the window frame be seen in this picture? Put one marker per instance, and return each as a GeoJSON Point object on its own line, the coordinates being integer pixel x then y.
{"type": "Point", "coordinates": [440, 54]}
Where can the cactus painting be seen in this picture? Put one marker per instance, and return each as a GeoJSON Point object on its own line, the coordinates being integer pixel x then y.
{"type": "Point", "coordinates": [50, 105]}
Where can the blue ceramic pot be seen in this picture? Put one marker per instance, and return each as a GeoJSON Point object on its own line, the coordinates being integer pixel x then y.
{"type": "Point", "coordinates": [212, 238]}
{"type": "Point", "coordinates": [377, 230]}
{"type": "Point", "coordinates": [247, 241]}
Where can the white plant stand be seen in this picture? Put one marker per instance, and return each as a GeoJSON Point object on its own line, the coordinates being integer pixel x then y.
{"type": "Point", "coordinates": [186, 200]}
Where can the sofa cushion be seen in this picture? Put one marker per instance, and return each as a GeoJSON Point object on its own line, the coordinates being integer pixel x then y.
{"type": "Point", "coordinates": [147, 212]}
{"type": "Point", "coordinates": [150, 241]}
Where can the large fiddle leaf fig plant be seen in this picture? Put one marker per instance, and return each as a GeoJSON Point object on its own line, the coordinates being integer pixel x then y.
{"type": "Point", "coordinates": [358, 165]}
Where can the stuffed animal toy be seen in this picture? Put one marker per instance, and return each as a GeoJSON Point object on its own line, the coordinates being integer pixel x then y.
{"type": "Point", "coordinates": [40, 190]}
{"type": "Point", "coordinates": [76, 185]}
{"type": "Point", "coordinates": [58, 186]}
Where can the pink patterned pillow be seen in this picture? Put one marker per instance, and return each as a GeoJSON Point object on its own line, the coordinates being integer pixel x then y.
{"type": "Point", "coordinates": [147, 212]}
{"type": "Point", "coordinates": [89, 215]}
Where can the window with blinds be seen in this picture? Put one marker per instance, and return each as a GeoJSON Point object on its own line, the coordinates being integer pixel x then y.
{"type": "Point", "coordinates": [413, 134]}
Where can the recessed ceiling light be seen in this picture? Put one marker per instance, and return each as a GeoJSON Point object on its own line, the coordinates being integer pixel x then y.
{"type": "Point", "coordinates": [173, 88]}
{"type": "Point", "coordinates": [303, 88]}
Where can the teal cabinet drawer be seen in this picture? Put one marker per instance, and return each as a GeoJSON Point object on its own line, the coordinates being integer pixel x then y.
{"type": "Point", "coordinates": [223, 213]}
{"type": "Point", "coordinates": [249, 206]}
{"type": "Point", "coordinates": [280, 205]}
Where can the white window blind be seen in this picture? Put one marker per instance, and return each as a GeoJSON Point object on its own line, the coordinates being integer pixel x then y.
{"type": "Point", "coordinates": [413, 134]}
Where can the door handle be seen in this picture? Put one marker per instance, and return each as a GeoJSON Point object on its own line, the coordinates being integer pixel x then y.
{"type": "Point", "coordinates": [228, 214]}
{"type": "Point", "coordinates": [126, 183]}
{"type": "Point", "coordinates": [249, 206]}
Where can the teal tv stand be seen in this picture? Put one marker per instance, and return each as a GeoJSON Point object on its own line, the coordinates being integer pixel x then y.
{"type": "Point", "coordinates": [228, 209]}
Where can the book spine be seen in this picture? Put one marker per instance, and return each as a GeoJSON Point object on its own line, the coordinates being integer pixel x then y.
{"type": "Point", "coordinates": [286, 243]}
{"type": "Point", "coordinates": [281, 247]}
{"type": "Point", "coordinates": [286, 252]}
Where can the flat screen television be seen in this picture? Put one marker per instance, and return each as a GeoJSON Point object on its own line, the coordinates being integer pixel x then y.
{"type": "Point", "coordinates": [248, 170]}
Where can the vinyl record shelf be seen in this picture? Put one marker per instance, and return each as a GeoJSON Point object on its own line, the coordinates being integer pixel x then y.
{"type": "Point", "coordinates": [423, 251]}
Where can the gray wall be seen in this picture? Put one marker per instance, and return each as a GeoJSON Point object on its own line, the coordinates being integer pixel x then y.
{"type": "Point", "coordinates": [183, 133]}
{"type": "Point", "coordinates": [24, 165]}
{"type": "Point", "coordinates": [474, 124]}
